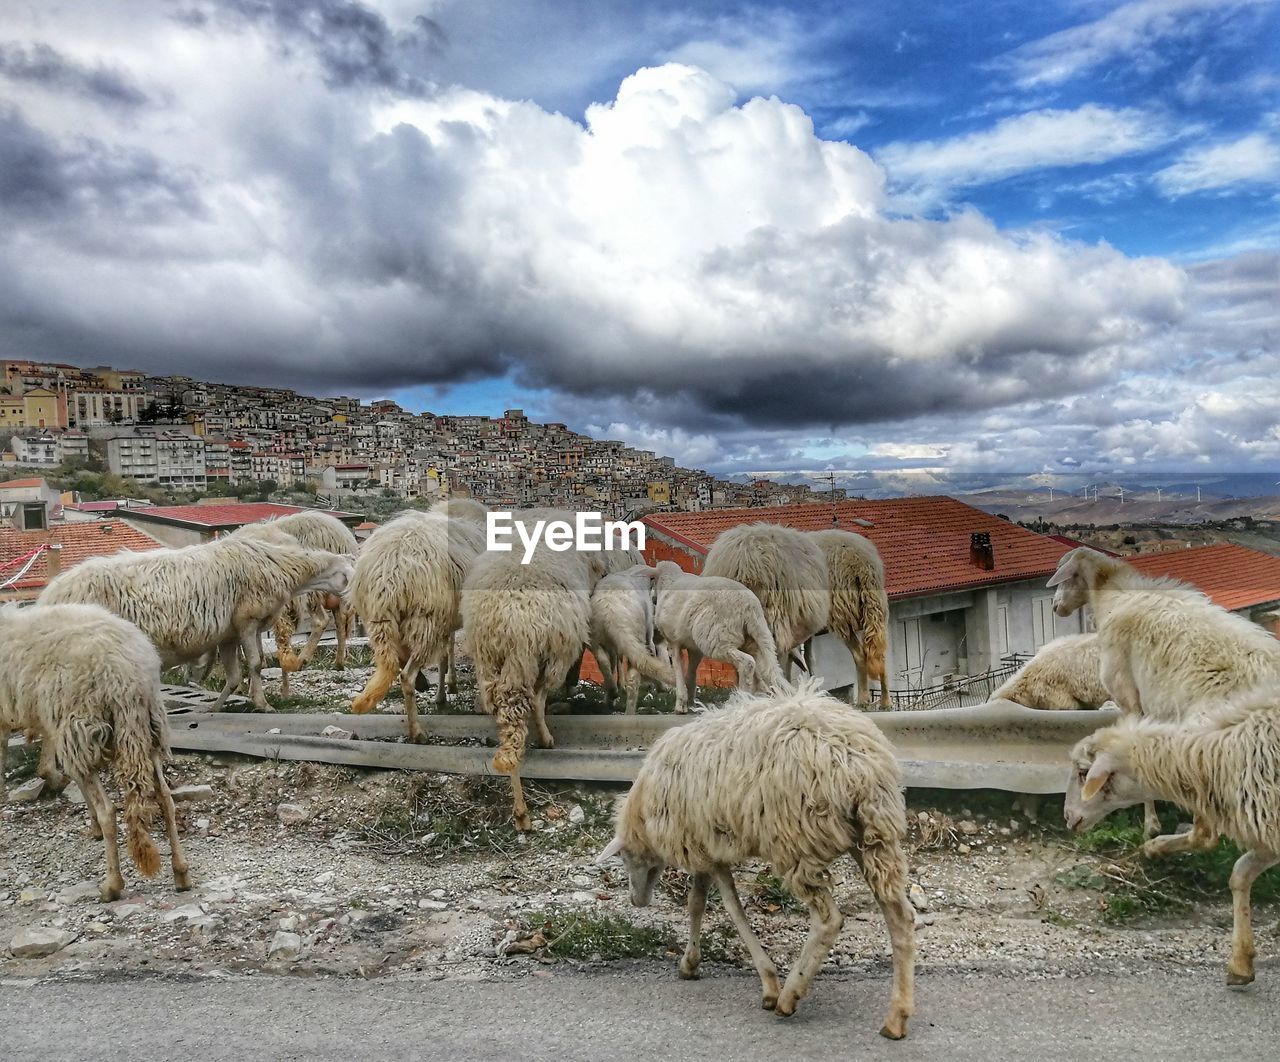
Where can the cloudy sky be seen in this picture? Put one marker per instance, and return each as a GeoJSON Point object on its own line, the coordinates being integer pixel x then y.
{"type": "Point", "coordinates": [754, 236]}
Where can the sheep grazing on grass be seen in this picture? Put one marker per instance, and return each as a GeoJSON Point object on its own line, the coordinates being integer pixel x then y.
{"type": "Point", "coordinates": [798, 780]}
{"type": "Point", "coordinates": [314, 530]}
{"type": "Point", "coordinates": [1064, 675]}
{"type": "Point", "coordinates": [198, 599]}
{"type": "Point", "coordinates": [88, 684]}
{"type": "Point", "coordinates": [526, 625]}
{"type": "Point", "coordinates": [1165, 650]}
{"type": "Point", "coordinates": [786, 570]}
{"type": "Point", "coordinates": [1223, 767]}
{"type": "Point", "coordinates": [710, 616]}
{"type": "Point", "coordinates": [622, 630]}
{"type": "Point", "coordinates": [859, 606]}
{"type": "Point", "coordinates": [407, 589]}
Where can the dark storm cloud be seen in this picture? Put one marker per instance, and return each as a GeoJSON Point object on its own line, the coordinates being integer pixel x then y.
{"type": "Point", "coordinates": [40, 64]}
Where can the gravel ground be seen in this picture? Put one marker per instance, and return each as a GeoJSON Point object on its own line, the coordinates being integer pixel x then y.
{"type": "Point", "coordinates": [312, 869]}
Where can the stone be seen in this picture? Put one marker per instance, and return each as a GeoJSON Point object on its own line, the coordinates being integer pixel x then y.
{"type": "Point", "coordinates": [963, 849]}
{"type": "Point", "coordinates": [325, 878]}
{"type": "Point", "coordinates": [28, 896]}
{"type": "Point", "coordinates": [193, 794]}
{"type": "Point", "coordinates": [337, 733]}
{"type": "Point", "coordinates": [577, 815]}
{"type": "Point", "coordinates": [85, 891]}
{"type": "Point", "coordinates": [967, 827]}
{"type": "Point", "coordinates": [290, 923]}
{"type": "Point", "coordinates": [72, 794]}
{"type": "Point", "coordinates": [918, 898]}
{"type": "Point", "coordinates": [190, 912]}
{"type": "Point", "coordinates": [433, 905]}
{"type": "Point", "coordinates": [284, 946]}
{"type": "Point", "coordinates": [27, 791]}
{"type": "Point", "coordinates": [291, 814]}
{"type": "Point", "coordinates": [35, 943]}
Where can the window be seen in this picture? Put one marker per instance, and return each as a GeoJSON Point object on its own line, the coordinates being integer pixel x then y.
{"type": "Point", "coordinates": [910, 646]}
{"type": "Point", "coordinates": [1002, 630]}
{"type": "Point", "coordinates": [1041, 621]}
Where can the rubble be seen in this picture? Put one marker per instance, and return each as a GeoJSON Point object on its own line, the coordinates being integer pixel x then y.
{"type": "Point", "coordinates": [36, 943]}
{"type": "Point", "coordinates": [26, 791]}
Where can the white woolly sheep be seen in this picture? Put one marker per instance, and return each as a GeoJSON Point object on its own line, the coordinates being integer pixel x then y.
{"type": "Point", "coordinates": [407, 588]}
{"type": "Point", "coordinates": [212, 596]}
{"type": "Point", "coordinates": [462, 509]}
{"type": "Point", "coordinates": [710, 616]}
{"type": "Point", "coordinates": [622, 630]}
{"type": "Point", "coordinates": [796, 779]}
{"type": "Point", "coordinates": [88, 684]}
{"type": "Point", "coordinates": [526, 625]}
{"type": "Point", "coordinates": [786, 570]}
{"type": "Point", "coordinates": [1065, 675]}
{"type": "Point", "coordinates": [1165, 650]}
{"type": "Point", "coordinates": [1223, 767]}
{"type": "Point", "coordinates": [859, 606]}
{"type": "Point", "coordinates": [314, 530]}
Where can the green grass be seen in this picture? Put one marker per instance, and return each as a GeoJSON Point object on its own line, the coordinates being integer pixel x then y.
{"type": "Point", "coordinates": [771, 896]}
{"type": "Point", "coordinates": [588, 934]}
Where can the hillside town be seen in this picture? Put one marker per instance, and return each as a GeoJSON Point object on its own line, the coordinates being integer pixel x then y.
{"type": "Point", "coordinates": [183, 435]}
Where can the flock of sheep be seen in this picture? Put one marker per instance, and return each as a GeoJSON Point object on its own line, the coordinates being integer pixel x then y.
{"type": "Point", "coordinates": [783, 773]}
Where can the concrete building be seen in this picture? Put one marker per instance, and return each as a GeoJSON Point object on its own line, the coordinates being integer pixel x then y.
{"type": "Point", "coordinates": [187, 525]}
{"type": "Point", "coordinates": [966, 589]}
{"type": "Point", "coordinates": [20, 497]}
{"type": "Point", "coordinates": [97, 408]}
{"type": "Point", "coordinates": [38, 407]}
{"type": "Point", "coordinates": [167, 459]}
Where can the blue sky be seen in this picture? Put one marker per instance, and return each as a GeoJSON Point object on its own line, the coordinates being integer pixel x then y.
{"type": "Point", "coordinates": [752, 236]}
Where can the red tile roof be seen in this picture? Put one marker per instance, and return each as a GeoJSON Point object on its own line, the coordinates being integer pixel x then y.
{"type": "Point", "coordinates": [924, 541]}
{"type": "Point", "coordinates": [1233, 576]}
{"type": "Point", "coordinates": [79, 542]}
{"type": "Point", "coordinates": [21, 483]}
{"type": "Point", "coordinates": [220, 517]}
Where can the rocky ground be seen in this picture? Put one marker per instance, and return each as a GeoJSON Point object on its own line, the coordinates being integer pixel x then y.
{"type": "Point", "coordinates": [308, 870]}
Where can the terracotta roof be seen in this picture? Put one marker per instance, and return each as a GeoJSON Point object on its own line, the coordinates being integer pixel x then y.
{"type": "Point", "coordinates": [21, 483]}
{"type": "Point", "coordinates": [79, 542]}
{"type": "Point", "coordinates": [220, 517]}
{"type": "Point", "coordinates": [924, 541]}
{"type": "Point", "coordinates": [1233, 576]}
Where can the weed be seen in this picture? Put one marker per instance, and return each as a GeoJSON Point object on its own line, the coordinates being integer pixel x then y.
{"type": "Point", "coordinates": [588, 934]}
{"type": "Point", "coordinates": [769, 895]}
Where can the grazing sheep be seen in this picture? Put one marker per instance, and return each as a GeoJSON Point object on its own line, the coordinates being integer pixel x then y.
{"type": "Point", "coordinates": [622, 629]}
{"type": "Point", "coordinates": [1223, 767]}
{"type": "Point", "coordinates": [798, 780]}
{"type": "Point", "coordinates": [859, 606]}
{"type": "Point", "coordinates": [214, 596]}
{"type": "Point", "coordinates": [88, 684]}
{"type": "Point", "coordinates": [406, 588]}
{"type": "Point", "coordinates": [526, 625]}
{"type": "Point", "coordinates": [1165, 650]}
{"type": "Point", "coordinates": [1064, 675]}
{"type": "Point", "coordinates": [314, 530]}
{"type": "Point", "coordinates": [786, 570]}
{"type": "Point", "coordinates": [714, 617]}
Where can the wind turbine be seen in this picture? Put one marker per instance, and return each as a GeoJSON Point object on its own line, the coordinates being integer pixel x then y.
{"type": "Point", "coordinates": [1122, 492]}
{"type": "Point", "coordinates": [1159, 495]}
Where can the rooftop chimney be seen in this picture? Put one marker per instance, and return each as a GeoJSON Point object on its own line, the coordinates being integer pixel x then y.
{"type": "Point", "coordinates": [981, 554]}
{"type": "Point", "coordinates": [53, 561]}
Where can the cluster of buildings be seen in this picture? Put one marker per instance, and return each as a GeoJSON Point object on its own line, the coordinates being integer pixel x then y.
{"type": "Point", "coordinates": [181, 434]}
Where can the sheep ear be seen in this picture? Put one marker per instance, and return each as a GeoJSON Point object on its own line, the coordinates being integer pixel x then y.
{"type": "Point", "coordinates": [1099, 775]}
{"type": "Point", "coordinates": [1068, 567]}
{"type": "Point", "coordinates": [610, 850]}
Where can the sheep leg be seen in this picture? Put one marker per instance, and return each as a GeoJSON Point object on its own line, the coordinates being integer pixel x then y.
{"type": "Point", "coordinates": [764, 965]}
{"type": "Point", "coordinates": [692, 958]}
{"type": "Point", "coordinates": [545, 740]}
{"type": "Point", "coordinates": [177, 857]}
{"type": "Point", "coordinates": [341, 628]}
{"type": "Point", "coordinates": [885, 869]}
{"type": "Point", "coordinates": [519, 809]}
{"type": "Point", "coordinates": [319, 619]}
{"type": "Point", "coordinates": [442, 688]}
{"type": "Point", "coordinates": [689, 680]}
{"type": "Point", "coordinates": [1247, 868]}
{"type": "Point", "coordinates": [606, 670]}
{"type": "Point", "coordinates": [883, 677]}
{"type": "Point", "coordinates": [55, 780]}
{"type": "Point", "coordinates": [231, 668]}
{"type": "Point", "coordinates": [631, 679]}
{"type": "Point", "coordinates": [1198, 838]}
{"type": "Point", "coordinates": [408, 688]}
{"type": "Point", "coordinates": [452, 654]}
{"type": "Point", "coordinates": [1150, 820]}
{"type": "Point", "coordinates": [744, 666]}
{"type": "Point", "coordinates": [4, 765]}
{"type": "Point", "coordinates": [113, 885]}
{"type": "Point", "coordinates": [825, 921]}
{"type": "Point", "coordinates": [858, 650]}
{"type": "Point", "coordinates": [387, 667]}
{"type": "Point", "coordinates": [679, 685]}
{"type": "Point", "coordinates": [249, 642]}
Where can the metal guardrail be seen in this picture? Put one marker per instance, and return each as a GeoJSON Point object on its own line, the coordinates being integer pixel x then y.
{"type": "Point", "coordinates": [992, 746]}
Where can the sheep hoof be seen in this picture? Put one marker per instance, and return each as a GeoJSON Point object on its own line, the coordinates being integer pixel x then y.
{"type": "Point", "coordinates": [524, 823]}
{"type": "Point", "coordinates": [689, 967]}
{"type": "Point", "coordinates": [339, 665]}
{"type": "Point", "coordinates": [1238, 980]}
{"type": "Point", "coordinates": [417, 737]}
{"type": "Point", "coordinates": [182, 881]}
{"type": "Point", "coordinates": [109, 893]}
{"type": "Point", "coordinates": [769, 1002]}
{"type": "Point", "coordinates": [785, 1006]}
{"type": "Point", "coordinates": [894, 1029]}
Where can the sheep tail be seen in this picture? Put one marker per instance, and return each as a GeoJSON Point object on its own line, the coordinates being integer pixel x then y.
{"type": "Point", "coordinates": [639, 657]}
{"type": "Point", "coordinates": [884, 828]}
{"type": "Point", "coordinates": [135, 770]}
{"type": "Point", "coordinates": [875, 621]}
{"type": "Point", "coordinates": [284, 627]}
{"type": "Point", "coordinates": [512, 707]}
{"type": "Point", "coordinates": [766, 655]}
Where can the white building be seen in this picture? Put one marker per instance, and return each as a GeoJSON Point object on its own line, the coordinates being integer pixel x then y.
{"type": "Point", "coordinates": [167, 459]}
{"type": "Point", "coordinates": [95, 409]}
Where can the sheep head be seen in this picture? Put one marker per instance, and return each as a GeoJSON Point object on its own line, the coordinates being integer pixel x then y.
{"type": "Point", "coordinates": [1078, 573]}
{"type": "Point", "coordinates": [1102, 779]}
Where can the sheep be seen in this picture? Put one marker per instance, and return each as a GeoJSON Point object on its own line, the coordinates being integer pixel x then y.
{"type": "Point", "coordinates": [786, 570]}
{"type": "Point", "coordinates": [406, 588]}
{"type": "Point", "coordinates": [212, 596]}
{"type": "Point", "coordinates": [526, 624]}
{"type": "Point", "coordinates": [622, 629]}
{"type": "Point", "coordinates": [796, 779]}
{"type": "Point", "coordinates": [88, 683]}
{"type": "Point", "coordinates": [1164, 648]}
{"type": "Point", "coordinates": [464, 509]}
{"type": "Point", "coordinates": [859, 606]}
{"type": "Point", "coordinates": [1223, 767]}
{"type": "Point", "coordinates": [314, 530]}
{"type": "Point", "coordinates": [710, 616]}
{"type": "Point", "coordinates": [1064, 675]}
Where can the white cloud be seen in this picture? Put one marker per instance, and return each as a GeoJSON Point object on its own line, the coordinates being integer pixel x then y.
{"type": "Point", "coordinates": [1252, 159]}
{"type": "Point", "coordinates": [1035, 140]}
{"type": "Point", "coordinates": [1132, 30]}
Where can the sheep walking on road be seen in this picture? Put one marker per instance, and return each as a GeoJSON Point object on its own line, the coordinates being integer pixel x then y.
{"type": "Point", "coordinates": [798, 780]}
{"type": "Point", "coordinates": [859, 606]}
{"type": "Point", "coordinates": [1165, 650]}
{"type": "Point", "coordinates": [709, 616]}
{"type": "Point", "coordinates": [787, 571]}
{"type": "Point", "coordinates": [88, 684]}
{"type": "Point", "coordinates": [1223, 767]}
{"type": "Point", "coordinates": [1065, 675]}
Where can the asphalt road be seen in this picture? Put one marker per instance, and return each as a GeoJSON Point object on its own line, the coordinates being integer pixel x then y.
{"type": "Point", "coordinates": [638, 1013]}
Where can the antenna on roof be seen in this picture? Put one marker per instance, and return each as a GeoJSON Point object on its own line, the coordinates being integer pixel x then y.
{"type": "Point", "coordinates": [831, 478]}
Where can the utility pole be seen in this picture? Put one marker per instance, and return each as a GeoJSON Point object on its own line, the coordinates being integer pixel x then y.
{"type": "Point", "coordinates": [831, 478]}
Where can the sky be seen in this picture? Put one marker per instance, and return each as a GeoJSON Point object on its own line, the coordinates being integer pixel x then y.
{"type": "Point", "coordinates": [752, 236]}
